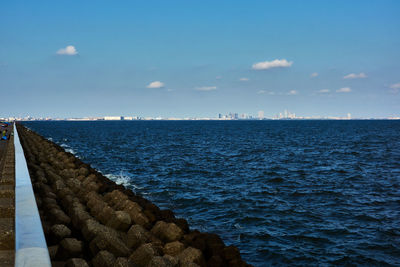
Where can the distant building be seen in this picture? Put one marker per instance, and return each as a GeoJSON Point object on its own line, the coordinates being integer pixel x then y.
{"type": "Point", "coordinates": [285, 115]}
{"type": "Point", "coordinates": [113, 118]}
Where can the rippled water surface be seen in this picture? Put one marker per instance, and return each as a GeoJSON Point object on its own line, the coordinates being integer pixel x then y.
{"type": "Point", "coordinates": [284, 192]}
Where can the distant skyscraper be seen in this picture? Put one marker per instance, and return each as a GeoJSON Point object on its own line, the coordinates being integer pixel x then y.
{"type": "Point", "coordinates": [261, 114]}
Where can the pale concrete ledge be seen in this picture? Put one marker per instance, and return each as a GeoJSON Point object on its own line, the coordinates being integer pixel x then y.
{"type": "Point", "coordinates": [30, 244]}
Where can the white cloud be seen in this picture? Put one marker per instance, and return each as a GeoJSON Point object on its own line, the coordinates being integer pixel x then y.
{"type": "Point", "coordinates": [344, 90]}
{"type": "Point", "coordinates": [266, 92]}
{"type": "Point", "coordinates": [218, 77]}
{"type": "Point", "coordinates": [244, 79]}
{"type": "Point", "coordinates": [206, 88]}
{"type": "Point", "coordinates": [70, 50]}
{"type": "Point", "coordinates": [155, 84]}
{"type": "Point", "coordinates": [277, 63]}
{"type": "Point", "coordinates": [314, 74]}
{"type": "Point", "coordinates": [293, 92]}
{"type": "Point", "coordinates": [395, 86]}
{"type": "Point", "coordinates": [361, 75]}
{"type": "Point", "coordinates": [324, 91]}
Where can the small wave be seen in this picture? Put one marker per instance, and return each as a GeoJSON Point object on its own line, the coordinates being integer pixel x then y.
{"type": "Point", "coordinates": [237, 226]}
{"type": "Point", "coordinates": [325, 193]}
{"type": "Point", "coordinates": [299, 194]}
{"type": "Point", "coordinates": [135, 186]}
{"type": "Point", "coordinates": [367, 218]}
{"type": "Point", "coordinates": [336, 231]}
{"type": "Point", "coordinates": [263, 193]}
{"type": "Point", "coordinates": [269, 173]}
{"type": "Point", "coordinates": [68, 149]}
{"type": "Point", "coordinates": [276, 180]}
{"type": "Point", "coordinates": [121, 179]}
{"type": "Point", "coordinates": [252, 219]}
{"type": "Point", "coordinates": [309, 238]}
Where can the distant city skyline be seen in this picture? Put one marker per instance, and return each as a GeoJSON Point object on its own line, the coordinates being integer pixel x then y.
{"type": "Point", "coordinates": [198, 59]}
{"type": "Point", "coordinates": [285, 115]}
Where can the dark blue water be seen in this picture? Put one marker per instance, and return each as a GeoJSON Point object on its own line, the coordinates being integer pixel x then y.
{"type": "Point", "coordinates": [284, 192]}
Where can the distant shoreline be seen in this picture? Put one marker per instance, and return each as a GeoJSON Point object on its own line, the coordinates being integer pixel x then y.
{"type": "Point", "coordinates": [308, 119]}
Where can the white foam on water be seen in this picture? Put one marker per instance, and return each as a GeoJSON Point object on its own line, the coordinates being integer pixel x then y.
{"type": "Point", "coordinates": [121, 179]}
{"type": "Point", "coordinates": [70, 150]}
{"type": "Point", "coordinates": [237, 226]}
{"type": "Point", "coordinates": [67, 148]}
{"type": "Point", "coordinates": [136, 187]}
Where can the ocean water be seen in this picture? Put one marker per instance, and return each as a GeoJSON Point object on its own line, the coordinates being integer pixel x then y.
{"type": "Point", "coordinates": [283, 192]}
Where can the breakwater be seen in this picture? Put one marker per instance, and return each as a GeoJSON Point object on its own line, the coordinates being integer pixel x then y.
{"type": "Point", "coordinates": [88, 219]}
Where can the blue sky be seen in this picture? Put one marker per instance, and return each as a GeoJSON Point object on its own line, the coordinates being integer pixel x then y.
{"type": "Point", "coordinates": [187, 58]}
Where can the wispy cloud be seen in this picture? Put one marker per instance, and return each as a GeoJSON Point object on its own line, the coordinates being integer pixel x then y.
{"type": "Point", "coordinates": [292, 92]}
{"type": "Point", "coordinates": [277, 63]}
{"type": "Point", "coordinates": [395, 86]}
{"type": "Point", "coordinates": [324, 91]}
{"type": "Point", "coordinates": [314, 74]}
{"type": "Point", "coordinates": [265, 92]}
{"type": "Point", "coordinates": [344, 90]}
{"type": "Point", "coordinates": [244, 79]}
{"type": "Point", "coordinates": [218, 77]}
{"type": "Point", "coordinates": [206, 88]}
{"type": "Point", "coordinates": [155, 84]}
{"type": "Point", "coordinates": [360, 75]}
{"type": "Point", "coordinates": [70, 50]}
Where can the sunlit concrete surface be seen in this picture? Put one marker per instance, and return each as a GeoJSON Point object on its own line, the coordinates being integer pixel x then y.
{"type": "Point", "coordinates": [30, 244]}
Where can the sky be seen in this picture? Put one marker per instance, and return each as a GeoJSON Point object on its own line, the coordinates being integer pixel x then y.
{"type": "Point", "coordinates": [199, 58]}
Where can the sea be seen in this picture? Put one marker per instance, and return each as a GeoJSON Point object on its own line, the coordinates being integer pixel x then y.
{"type": "Point", "coordinates": [314, 193]}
